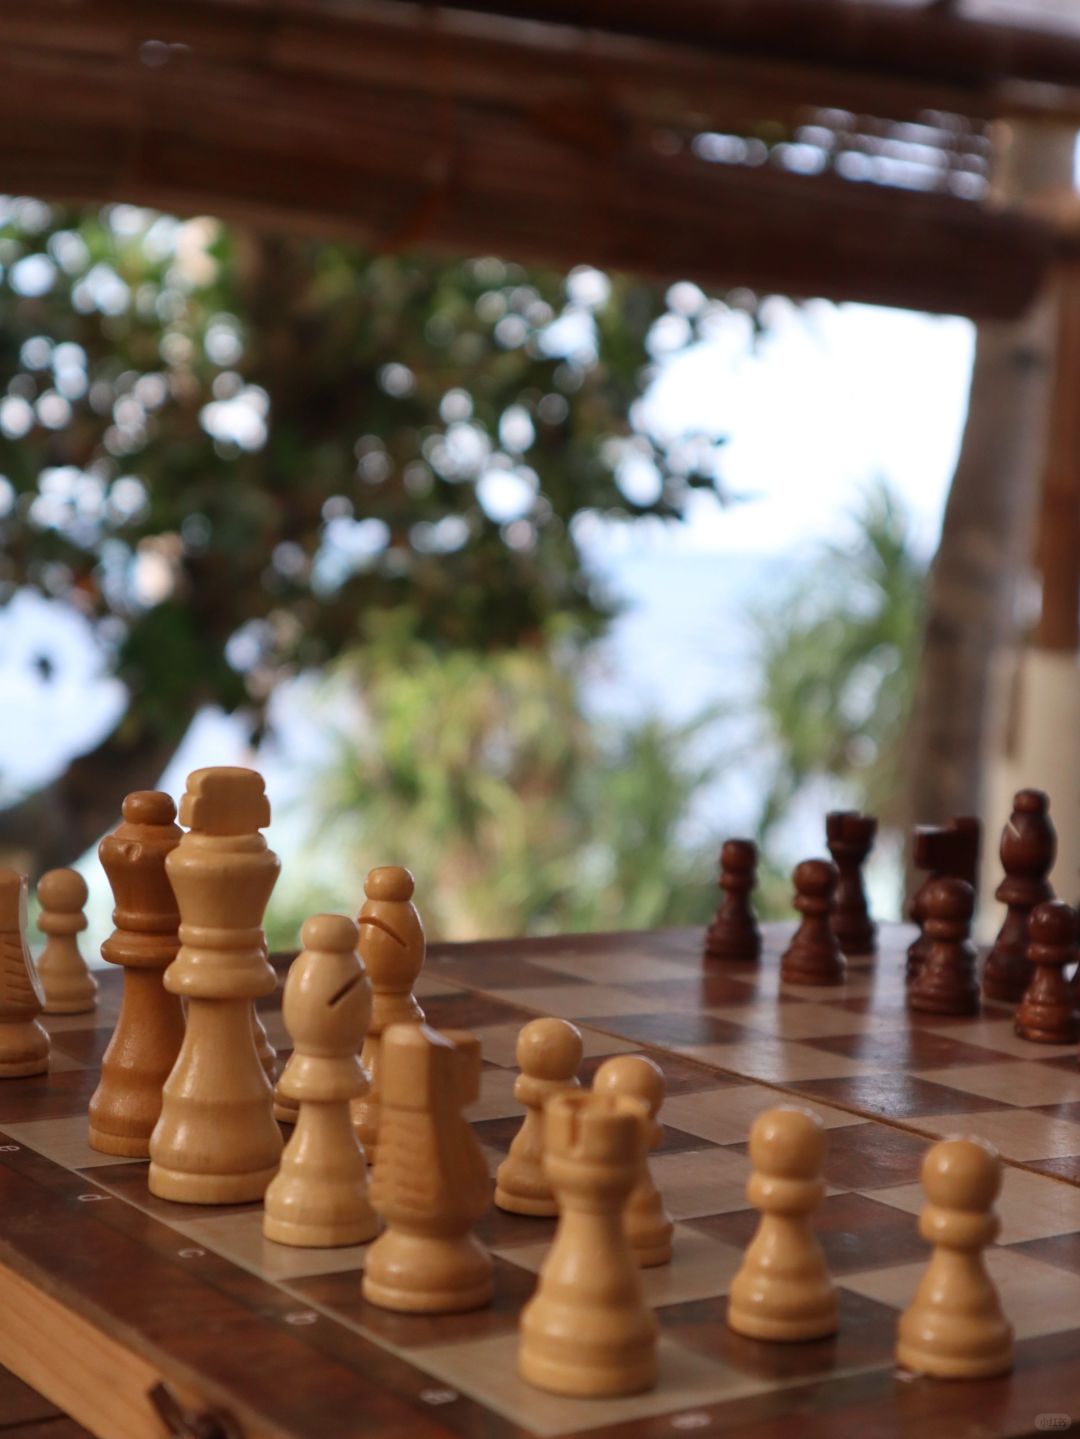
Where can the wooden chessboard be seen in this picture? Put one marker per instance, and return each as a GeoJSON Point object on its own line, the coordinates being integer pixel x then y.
{"type": "Point", "coordinates": [106, 1292]}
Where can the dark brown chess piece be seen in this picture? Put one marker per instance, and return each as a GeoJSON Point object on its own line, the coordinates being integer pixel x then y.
{"type": "Point", "coordinates": [734, 932]}
{"type": "Point", "coordinates": [1046, 1010]}
{"type": "Point", "coordinates": [814, 955]}
{"type": "Point", "coordinates": [945, 984]}
{"type": "Point", "coordinates": [850, 838]}
{"type": "Point", "coordinates": [1028, 849]}
{"type": "Point", "coordinates": [948, 851]}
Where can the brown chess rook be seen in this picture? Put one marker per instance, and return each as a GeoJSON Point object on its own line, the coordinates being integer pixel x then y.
{"type": "Point", "coordinates": [734, 932]}
{"type": "Point", "coordinates": [1046, 1010]}
{"type": "Point", "coordinates": [148, 1034]}
{"type": "Point", "coordinates": [1028, 850]}
{"type": "Point", "coordinates": [850, 838]}
{"type": "Point", "coordinates": [814, 955]}
{"type": "Point", "coordinates": [24, 1044]}
{"type": "Point", "coordinates": [949, 851]}
{"type": "Point", "coordinates": [946, 984]}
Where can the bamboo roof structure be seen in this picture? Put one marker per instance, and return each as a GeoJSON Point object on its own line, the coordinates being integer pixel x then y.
{"type": "Point", "coordinates": [813, 147]}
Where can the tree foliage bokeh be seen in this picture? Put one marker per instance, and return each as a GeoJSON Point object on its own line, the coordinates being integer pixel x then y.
{"type": "Point", "coordinates": [230, 450]}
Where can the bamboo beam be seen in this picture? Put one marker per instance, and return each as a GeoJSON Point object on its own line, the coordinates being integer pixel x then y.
{"type": "Point", "coordinates": [456, 177]}
{"type": "Point", "coordinates": [921, 42]}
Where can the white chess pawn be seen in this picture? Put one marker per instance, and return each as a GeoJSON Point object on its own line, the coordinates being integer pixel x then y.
{"type": "Point", "coordinates": [67, 984]}
{"type": "Point", "coordinates": [648, 1225]}
{"type": "Point", "coordinates": [319, 1196]}
{"type": "Point", "coordinates": [783, 1291]}
{"type": "Point", "coordinates": [24, 1044]}
{"type": "Point", "coordinates": [954, 1327]}
{"type": "Point", "coordinates": [549, 1055]}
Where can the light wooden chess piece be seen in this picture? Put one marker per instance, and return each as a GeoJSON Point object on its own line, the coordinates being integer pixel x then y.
{"type": "Point", "coordinates": [430, 1183]}
{"type": "Point", "coordinates": [216, 1141]}
{"type": "Point", "coordinates": [783, 1291]}
{"type": "Point", "coordinates": [587, 1330]}
{"type": "Point", "coordinates": [24, 1044]}
{"type": "Point", "coordinates": [954, 1327]}
{"type": "Point", "coordinates": [319, 1197]}
{"type": "Point", "coordinates": [648, 1225]}
{"type": "Point", "coordinates": [67, 984]}
{"type": "Point", "coordinates": [150, 1029]}
{"type": "Point", "coordinates": [549, 1055]}
{"type": "Point", "coordinates": [392, 949]}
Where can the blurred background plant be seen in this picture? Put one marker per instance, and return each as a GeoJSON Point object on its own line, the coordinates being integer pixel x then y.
{"type": "Point", "coordinates": [244, 463]}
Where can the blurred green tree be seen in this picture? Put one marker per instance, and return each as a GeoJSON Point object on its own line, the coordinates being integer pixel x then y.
{"type": "Point", "coordinates": [515, 812]}
{"type": "Point", "coordinates": [838, 661]}
{"type": "Point", "coordinates": [230, 449]}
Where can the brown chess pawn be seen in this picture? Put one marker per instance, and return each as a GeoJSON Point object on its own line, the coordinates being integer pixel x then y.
{"type": "Point", "coordinates": [946, 982]}
{"type": "Point", "coordinates": [1046, 1010]}
{"type": "Point", "coordinates": [850, 838]}
{"type": "Point", "coordinates": [949, 851]}
{"type": "Point", "coordinates": [148, 1034]}
{"type": "Point", "coordinates": [814, 956]}
{"type": "Point", "coordinates": [1028, 850]}
{"type": "Point", "coordinates": [67, 984]}
{"type": "Point", "coordinates": [734, 932]}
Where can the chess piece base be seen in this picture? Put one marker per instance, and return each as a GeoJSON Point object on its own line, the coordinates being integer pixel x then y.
{"type": "Point", "coordinates": [322, 1236]}
{"type": "Point", "coordinates": [742, 948]}
{"type": "Point", "coordinates": [427, 1275]}
{"type": "Point", "coordinates": [24, 1047]}
{"type": "Point", "coordinates": [923, 1353]}
{"type": "Point", "coordinates": [791, 972]}
{"type": "Point", "coordinates": [928, 1001]}
{"type": "Point", "coordinates": [1047, 1032]}
{"type": "Point", "coordinates": [184, 1188]}
{"type": "Point", "coordinates": [535, 1205]}
{"type": "Point", "coordinates": [778, 1330]}
{"type": "Point", "coordinates": [581, 1370]}
{"type": "Point", "coordinates": [126, 1146]}
{"type": "Point", "coordinates": [84, 1003]}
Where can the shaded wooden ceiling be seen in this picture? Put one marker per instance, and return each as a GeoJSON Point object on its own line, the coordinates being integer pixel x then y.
{"type": "Point", "coordinates": [811, 147]}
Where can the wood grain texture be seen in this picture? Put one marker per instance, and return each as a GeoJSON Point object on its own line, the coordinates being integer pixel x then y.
{"type": "Point", "coordinates": [283, 1340]}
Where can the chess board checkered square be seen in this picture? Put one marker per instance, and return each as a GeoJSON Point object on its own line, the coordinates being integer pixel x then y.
{"type": "Point", "coordinates": [856, 1232]}
{"type": "Point", "coordinates": [1038, 1298]}
{"type": "Point", "coordinates": [62, 1140]}
{"type": "Point", "coordinates": [239, 1238]}
{"type": "Point", "coordinates": [486, 1370]}
{"type": "Point", "coordinates": [801, 1020]}
{"type": "Point", "coordinates": [996, 1031]}
{"type": "Point", "coordinates": [578, 1001]}
{"type": "Point", "coordinates": [892, 1045]}
{"type": "Point", "coordinates": [632, 968]}
{"type": "Point", "coordinates": [895, 1095]}
{"type": "Point", "coordinates": [724, 1116]}
{"type": "Point", "coordinates": [701, 1265]}
{"type": "Point", "coordinates": [1022, 1084]}
{"type": "Point", "coordinates": [1012, 1132]}
{"type": "Point", "coordinates": [1030, 1206]}
{"type": "Point", "coordinates": [777, 1061]}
